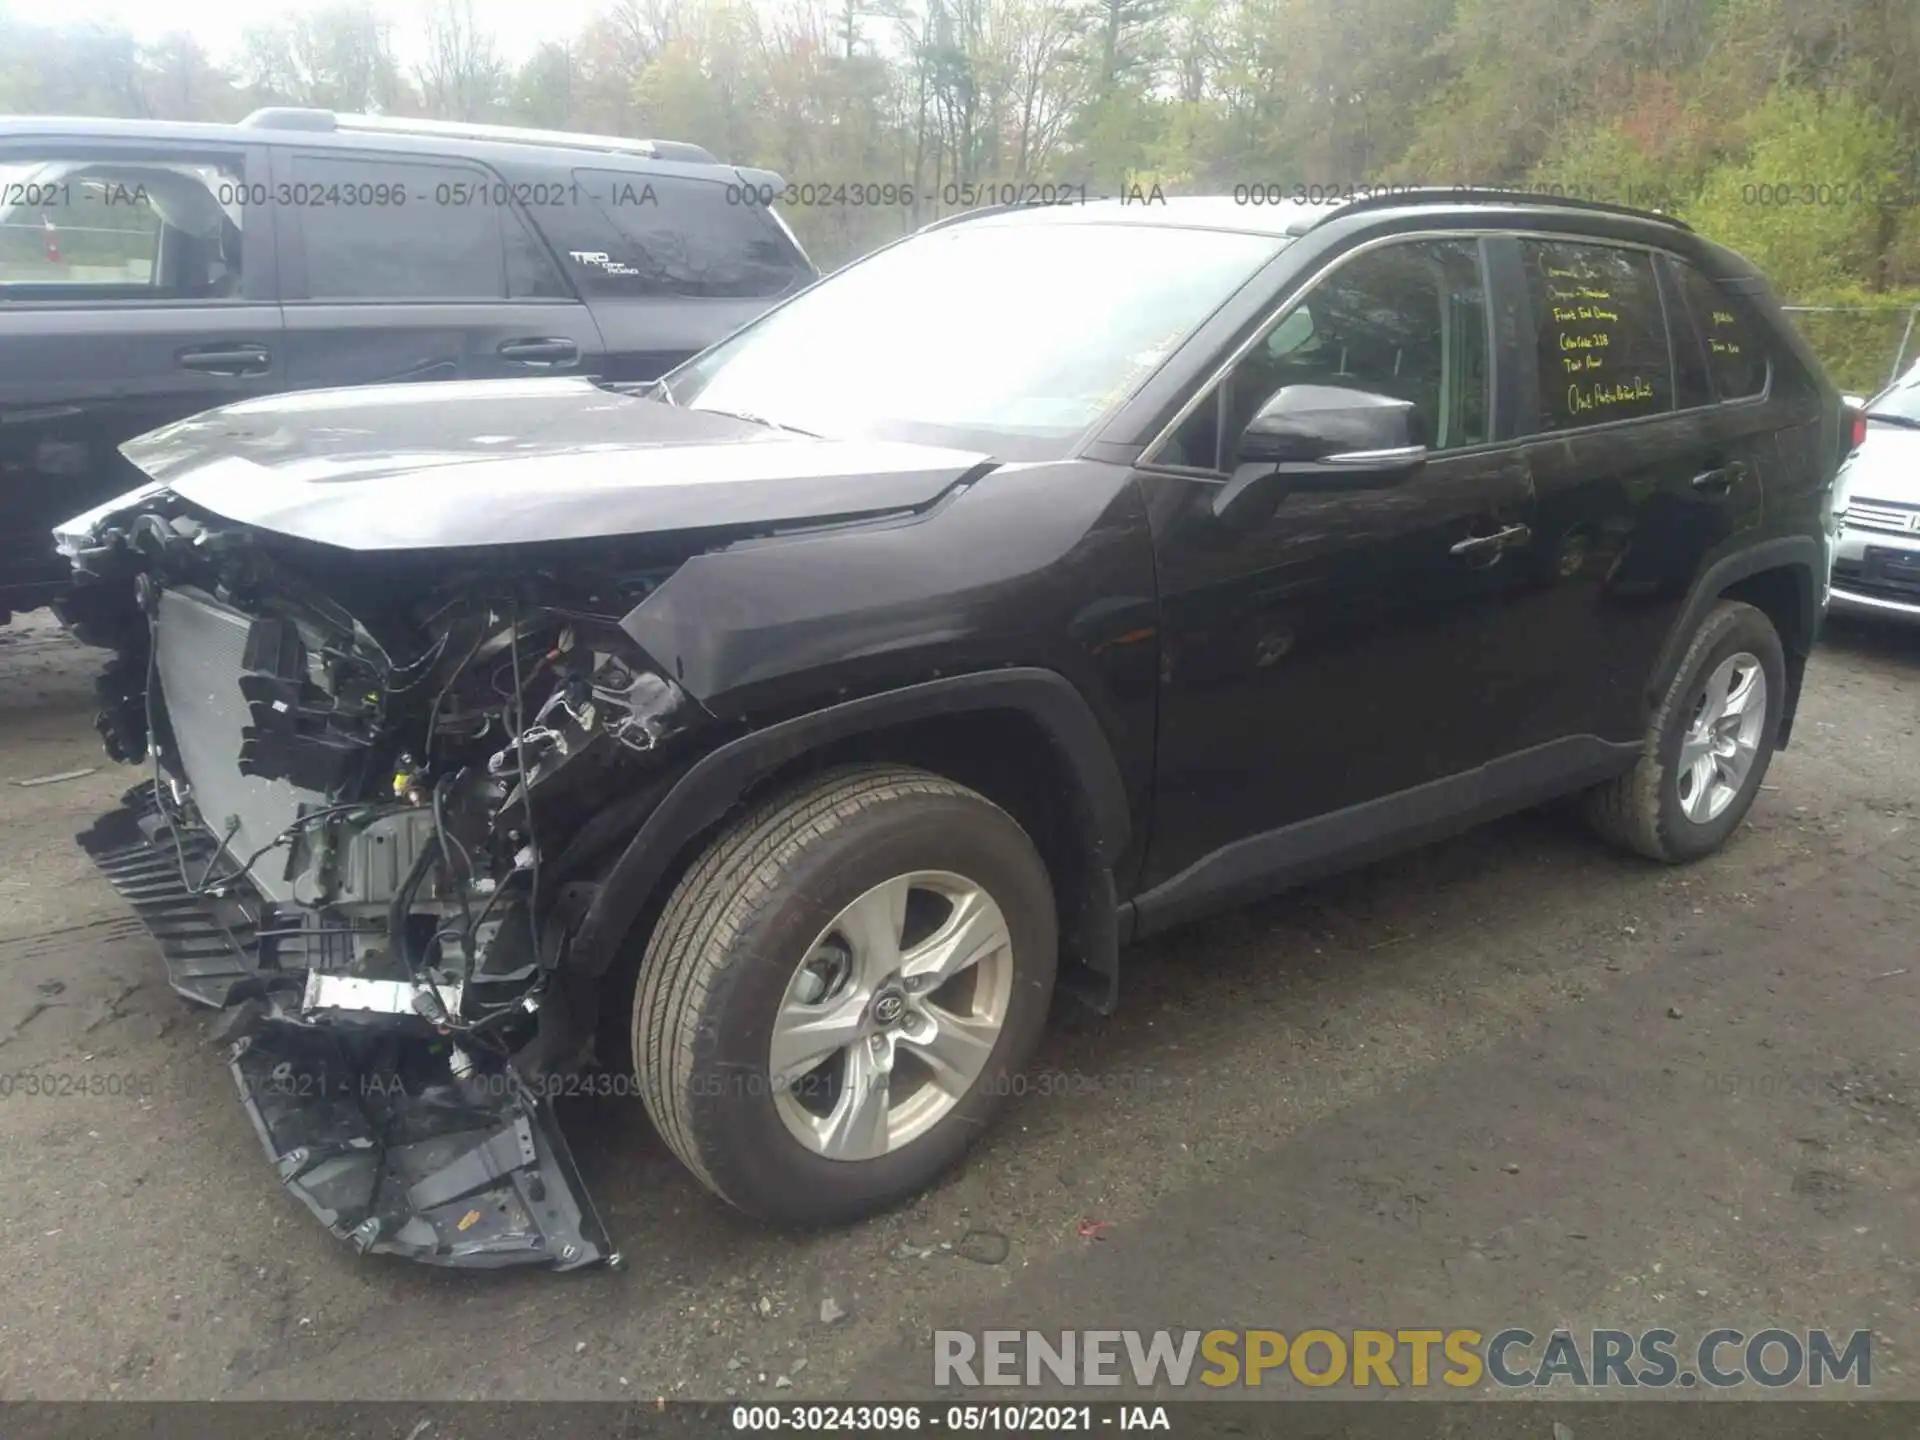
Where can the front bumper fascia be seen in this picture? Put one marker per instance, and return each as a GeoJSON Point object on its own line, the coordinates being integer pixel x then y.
{"type": "Point", "coordinates": [392, 1137]}
{"type": "Point", "coordinates": [1854, 594]}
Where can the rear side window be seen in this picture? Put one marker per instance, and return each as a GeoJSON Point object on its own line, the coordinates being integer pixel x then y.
{"type": "Point", "coordinates": [393, 230]}
{"type": "Point", "coordinates": [648, 234]}
{"type": "Point", "coordinates": [1736, 358]}
{"type": "Point", "coordinates": [1602, 335]}
{"type": "Point", "coordinates": [113, 226]}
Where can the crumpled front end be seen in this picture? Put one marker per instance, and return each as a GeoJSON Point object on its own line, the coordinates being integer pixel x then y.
{"type": "Point", "coordinates": [399, 1138]}
{"type": "Point", "coordinates": [376, 792]}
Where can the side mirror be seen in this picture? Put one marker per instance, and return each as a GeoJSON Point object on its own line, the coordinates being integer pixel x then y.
{"type": "Point", "coordinates": [1322, 437]}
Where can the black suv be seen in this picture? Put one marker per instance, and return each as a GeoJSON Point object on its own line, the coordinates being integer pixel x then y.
{"type": "Point", "coordinates": [802, 723]}
{"type": "Point", "coordinates": [149, 271]}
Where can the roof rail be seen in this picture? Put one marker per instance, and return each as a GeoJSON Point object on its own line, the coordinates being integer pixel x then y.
{"type": "Point", "coordinates": [326, 121]}
{"type": "Point", "coordinates": [1473, 195]}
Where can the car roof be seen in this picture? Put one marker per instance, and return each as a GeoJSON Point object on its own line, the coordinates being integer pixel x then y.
{"type": "Point", "coordinates": [1187, 212]}
{"type": "Point", "coordinates": [1288, 217]}
{"type": "Point", "coordinates": [324, 129]}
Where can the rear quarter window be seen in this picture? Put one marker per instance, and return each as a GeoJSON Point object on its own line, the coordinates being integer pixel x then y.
{"type": "Point", "coordinates": [640, 234]}
{"type": "Point", "coordinates": [1734, 352]}
{"type": "Point", "coordinates": [1600, 331]}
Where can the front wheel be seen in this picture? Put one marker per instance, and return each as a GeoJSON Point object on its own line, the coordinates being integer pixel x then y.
{"type": "Point", "coordinates": [837, 994]}
{"type": "Point", "coordinates": [1708, 747]}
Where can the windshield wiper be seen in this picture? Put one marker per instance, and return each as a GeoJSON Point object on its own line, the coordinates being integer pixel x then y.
{"type": "Point", "coordinates": [1911, 422]}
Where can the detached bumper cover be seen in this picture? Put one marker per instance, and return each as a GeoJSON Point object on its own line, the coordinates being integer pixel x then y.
{"type": "Point", "coordinates": [368, 1125]}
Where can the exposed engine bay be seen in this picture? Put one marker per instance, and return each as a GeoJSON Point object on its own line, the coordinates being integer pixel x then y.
{"type": "Point", "coordinates": [371, 794]}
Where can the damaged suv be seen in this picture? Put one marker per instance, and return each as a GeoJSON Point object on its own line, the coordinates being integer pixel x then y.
{"type": "Point", "coordinates": [779, 738]}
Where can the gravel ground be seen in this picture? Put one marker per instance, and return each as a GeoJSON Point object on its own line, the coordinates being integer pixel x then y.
{"type": "Point", "coordinates": [1513, 1079]}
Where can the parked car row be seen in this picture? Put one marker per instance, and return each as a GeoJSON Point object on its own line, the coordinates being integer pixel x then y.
{"type": "Point", "coordinates": [150, 271]}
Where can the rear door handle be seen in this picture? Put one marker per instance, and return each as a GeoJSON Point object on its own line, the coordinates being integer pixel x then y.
{"type": "Point", "coordinates": [1718, 482]}
{"type": "Point", "coordinates": [233, 360]}
{"type": "Point", "coordinates": [1477, 545]}
{"type": "Point", "coordinates": [545, 351]}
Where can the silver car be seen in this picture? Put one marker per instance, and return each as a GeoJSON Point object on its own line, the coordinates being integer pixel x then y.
{"type": "Point", "coordinates": [1876, 562]}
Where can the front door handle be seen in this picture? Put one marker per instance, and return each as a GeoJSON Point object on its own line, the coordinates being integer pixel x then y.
{"type": "Point", "coordinates": [1475, 546]}
{"type": "Point", "coordinates": [1718, 482]}
{"type": "Point", "coordinates": [545, 351]}
{"type": "Point", "coordinates": [231, 360]}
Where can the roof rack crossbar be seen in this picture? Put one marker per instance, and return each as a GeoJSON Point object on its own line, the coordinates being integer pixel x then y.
{"type": "Point", "coordinates": [1464, 195]}
{"type": "Point", "coordinates": [286, 118]}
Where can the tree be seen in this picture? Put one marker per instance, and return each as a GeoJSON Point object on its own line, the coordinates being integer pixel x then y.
{"type": "Point", "coordinates": [337, 57]}
{"type": "Point", "coordinates": [181, 83]}
{"type": "Point", "coordinates": [462, 76]}
{"type": "Point", "coordinates": [543, 91]}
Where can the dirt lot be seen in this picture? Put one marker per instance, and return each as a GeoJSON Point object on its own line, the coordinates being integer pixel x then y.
{"type": "Point", "coordinates": [1510, 1080]}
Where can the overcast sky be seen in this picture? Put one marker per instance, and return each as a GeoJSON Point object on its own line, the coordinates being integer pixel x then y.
{"type": "Point", "coordinates": [517, 25]}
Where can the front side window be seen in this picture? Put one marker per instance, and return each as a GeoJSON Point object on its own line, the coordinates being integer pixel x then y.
{"type": "Point", "coordinates": [113, 227]}
{"type": "Point", "coordinates": [394, 230]}
{"type": "Point", "coordinates": [1010, 336]}
{"type": "Point", "coordinates": [1601, 334]}
{"type": "Point", "coordinates": [1407, 320]}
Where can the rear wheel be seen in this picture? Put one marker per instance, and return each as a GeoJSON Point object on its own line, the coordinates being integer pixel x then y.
{"type": "Point", "coordinates": [837, 993]}
{"type": "Point", "coordinates": [1708, 747]}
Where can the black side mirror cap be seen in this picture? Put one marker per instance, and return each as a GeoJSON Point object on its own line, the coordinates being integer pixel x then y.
{"type": "Point", "coordinates": [1303, 424]}
{"type": "Point", "coordinates": [1321, 437]}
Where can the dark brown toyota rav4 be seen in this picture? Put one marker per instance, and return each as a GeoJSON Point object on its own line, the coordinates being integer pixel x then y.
{"type": "Point", "coordinates": [773, 742]}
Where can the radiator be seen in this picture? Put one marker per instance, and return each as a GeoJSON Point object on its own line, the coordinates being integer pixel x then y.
{"type": "Point", "coordinates": [202, 644]}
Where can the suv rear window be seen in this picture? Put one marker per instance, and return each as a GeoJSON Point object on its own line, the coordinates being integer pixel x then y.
{"type": "Point", "coordinates": [649, 234]}
{"type": "Point", "coordinates": [1601, 333]}
{"type": "Point", "coordinates": [1736, 358]}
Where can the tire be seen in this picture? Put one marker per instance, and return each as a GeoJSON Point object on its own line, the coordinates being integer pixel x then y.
{"type": "Point", "coordinates": [725, 959]}
{"type": "Point", "coordinates": [1646, 809]}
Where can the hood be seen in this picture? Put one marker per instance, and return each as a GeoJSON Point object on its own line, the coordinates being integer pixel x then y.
{"type": "Point", "coordinates": [1886, 466]}
{"type": "Point", "coordinates": [464, 463]}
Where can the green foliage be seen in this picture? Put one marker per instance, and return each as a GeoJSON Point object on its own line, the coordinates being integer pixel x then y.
{"type": "Point", "coordinates": [1604, 162]}
{"type": "Point", "coordinates": [1810, 198]}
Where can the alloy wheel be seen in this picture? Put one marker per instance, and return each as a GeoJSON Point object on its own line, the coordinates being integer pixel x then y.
{"type": "Point", "coordinates": [891, 1016]}
{"type": "Point", "coordinates": [1722, 738]}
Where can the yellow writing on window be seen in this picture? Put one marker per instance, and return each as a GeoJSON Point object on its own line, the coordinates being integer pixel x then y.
{"type": "Point", "coordinates": [1582, 400]}
{"type": "Point", "coordinates": [1574, 314]}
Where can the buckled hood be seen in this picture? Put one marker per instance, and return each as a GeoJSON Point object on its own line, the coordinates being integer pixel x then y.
{"type": "Point", "coordinates": [441, 465]}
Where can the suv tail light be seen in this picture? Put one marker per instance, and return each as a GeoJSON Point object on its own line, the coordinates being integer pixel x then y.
{"type": "Point", "coordinates": [1853, 425]}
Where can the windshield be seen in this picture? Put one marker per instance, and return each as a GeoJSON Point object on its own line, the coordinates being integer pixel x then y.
{"type": "Point", "coordinates": [1900, 404]}
{"type": "Point", "coordinates": [1009, 338]}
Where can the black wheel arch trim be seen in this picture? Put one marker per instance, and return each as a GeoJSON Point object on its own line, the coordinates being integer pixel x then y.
{"type": "Point", "coordinates": [1799, 554]}
{"type": "Point", "coordinates": [715, 783]}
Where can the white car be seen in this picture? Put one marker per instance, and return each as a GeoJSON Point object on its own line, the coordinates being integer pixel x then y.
{"type": "Point", "coordinates": [1876, 562]}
